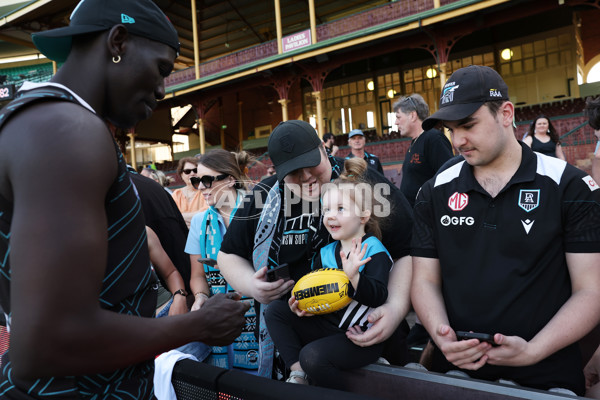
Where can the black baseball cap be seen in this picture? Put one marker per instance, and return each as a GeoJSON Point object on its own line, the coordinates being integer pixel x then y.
{"type": "Point", "coordinates": [141, 17]}
{"type": "Point", "coordinates": [465, 91]}
{"type": "Point", "coordinates": [293, 145]}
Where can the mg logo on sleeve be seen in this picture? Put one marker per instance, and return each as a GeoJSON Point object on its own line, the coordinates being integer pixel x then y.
{"type": "Point", "coordinates": [458, 201]}
{"type": "Point", "coordinates": [529, 199]}
{"type": "Point", "coordinates": [590, 182]}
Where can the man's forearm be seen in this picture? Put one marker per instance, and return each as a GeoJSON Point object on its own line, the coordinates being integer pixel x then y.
{"type": "Point", "coordinates": [102, 342]}
{"type": "Point", "coordinates": [429, 306]}
{"type": "Point", "coordinates": [579, 315]}
{"type": "Point", "coordinates": [426, 295]}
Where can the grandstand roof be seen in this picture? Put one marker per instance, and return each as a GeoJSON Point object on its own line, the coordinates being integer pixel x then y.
{"type": "Point", "coordinates": [225, 26]}
{"type": "Point", "coordinates": [10, 6]}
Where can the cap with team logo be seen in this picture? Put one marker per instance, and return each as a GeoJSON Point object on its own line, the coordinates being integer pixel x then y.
{"type": "Point", "coordinates": [141, 17]}
{"type": "Point", "coordinates": [294, 144]}
{"type": "Point", "coordinates": [465, 91]}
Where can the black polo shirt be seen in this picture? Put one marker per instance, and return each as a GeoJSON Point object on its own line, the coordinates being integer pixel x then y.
{"type": "Point", "coordinates": [503, 260]}
{"type": "Point", "coordinates": [426, 154]}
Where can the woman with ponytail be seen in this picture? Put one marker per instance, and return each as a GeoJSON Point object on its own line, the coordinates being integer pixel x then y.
{"type": "Point", "coordinates": [222, 181]}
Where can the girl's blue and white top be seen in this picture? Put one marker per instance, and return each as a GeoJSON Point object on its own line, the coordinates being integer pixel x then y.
{"type": "Point", "coordinates": [372, 286]}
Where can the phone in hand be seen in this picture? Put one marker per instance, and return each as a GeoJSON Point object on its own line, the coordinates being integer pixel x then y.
{"type": "Point", "coordinates": [483, 337]}
{"type": "Point", "coordinates": [277, 273]}
{"type": "Point", "coordinates": [208, 261]}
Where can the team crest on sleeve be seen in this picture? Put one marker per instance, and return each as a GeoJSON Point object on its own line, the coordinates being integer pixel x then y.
{"type": "Point", "coordinates": [458, 201]}
{"type": "Point", "coordinates": [590, 182]}
{"type": "Point", "coordinates": [529, 199]}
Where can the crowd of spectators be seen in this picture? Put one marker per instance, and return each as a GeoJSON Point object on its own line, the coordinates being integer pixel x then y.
{"type": "Point", "coordinates": [430, 151]}
{"type": "Point", "coordinates": [497, 248]}
{"type": "Point", "coordinates": [505, 346]}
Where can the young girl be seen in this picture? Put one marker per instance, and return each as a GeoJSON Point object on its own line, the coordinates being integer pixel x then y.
{"type": "Point", "coordinates": [317, 347]}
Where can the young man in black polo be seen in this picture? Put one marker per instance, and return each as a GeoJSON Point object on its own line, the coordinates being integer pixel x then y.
{"type": "Point", "coordinates": [505, 243]}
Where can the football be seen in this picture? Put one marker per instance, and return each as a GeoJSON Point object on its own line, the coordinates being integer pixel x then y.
{"type": "Point", "coordinates": [322, 291]}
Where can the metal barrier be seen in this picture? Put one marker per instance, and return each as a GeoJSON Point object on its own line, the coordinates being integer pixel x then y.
{"type": "Point", "coordinates": [391, 382]}
{"type": "Point", "coordinates": [194, 380]}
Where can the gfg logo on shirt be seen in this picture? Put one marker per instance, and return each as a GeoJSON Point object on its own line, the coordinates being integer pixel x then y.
{"type": "Point", "coordinates": [447, 220]}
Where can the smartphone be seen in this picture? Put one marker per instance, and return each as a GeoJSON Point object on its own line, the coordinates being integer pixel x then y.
{"type": "Point", "coordinates": [208, 261]}
{"type": "Point", "coordinates": [483, 337]}
{"type": "Point", "coordinates": [277, 273]}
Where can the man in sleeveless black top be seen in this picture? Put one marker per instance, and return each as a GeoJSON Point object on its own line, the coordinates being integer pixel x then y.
{"type": "Point", "coordinates": [76, 288]}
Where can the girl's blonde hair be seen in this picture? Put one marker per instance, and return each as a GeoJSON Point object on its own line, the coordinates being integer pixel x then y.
{"type": "Point", "coordinates": [354, 177]}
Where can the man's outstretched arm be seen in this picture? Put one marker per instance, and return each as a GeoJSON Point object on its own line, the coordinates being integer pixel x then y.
{"type": "Point", "coordinates": [59, 255]}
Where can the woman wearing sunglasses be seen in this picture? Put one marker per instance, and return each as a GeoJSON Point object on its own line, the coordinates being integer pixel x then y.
{"type": "Point", "coordinates": [222, 180]}
{"type": "Point", "coordinates": [188, 199]}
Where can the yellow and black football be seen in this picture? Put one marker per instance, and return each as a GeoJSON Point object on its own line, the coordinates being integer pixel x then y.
{"type": "Point", "coordinates": [322, 291]}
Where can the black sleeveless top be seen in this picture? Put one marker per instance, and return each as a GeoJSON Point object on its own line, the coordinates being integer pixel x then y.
{"type": "Point", "coordinates": [127, 287]}
{"type": "Point", "coordinates": [548, 148]}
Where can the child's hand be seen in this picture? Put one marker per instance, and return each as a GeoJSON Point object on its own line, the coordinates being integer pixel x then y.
{"type": "Point", "coordinates": [293, 303]}
{"type": "Point", "coordinates": [354, 261]}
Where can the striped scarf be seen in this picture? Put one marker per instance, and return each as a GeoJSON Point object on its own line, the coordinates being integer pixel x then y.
{"type": "Point", "coordinates": [242, 354]}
